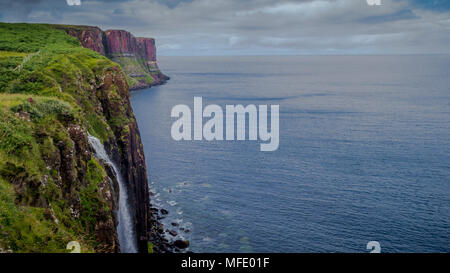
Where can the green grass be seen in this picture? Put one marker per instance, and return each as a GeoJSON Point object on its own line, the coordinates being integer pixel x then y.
{"type": "Point", "coordinates": [59, 68]}
{"type": "Point", "coordinates": [32, 37]}
{"type": "Point", "coordinates": [9, 54]}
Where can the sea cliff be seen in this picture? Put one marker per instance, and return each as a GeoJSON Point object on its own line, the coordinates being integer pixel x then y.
{"type": "Point", "coordinates": [137, 56]}
{"type": "Point", "coordinates": [57, 87]}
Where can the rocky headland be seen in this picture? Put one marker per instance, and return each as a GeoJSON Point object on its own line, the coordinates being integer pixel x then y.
{"type": "Point", "coordinates": [137, 56]}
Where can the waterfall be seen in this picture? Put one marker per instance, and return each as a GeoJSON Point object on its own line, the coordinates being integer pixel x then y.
{"type": "Point", "coordinates": [125, 228]}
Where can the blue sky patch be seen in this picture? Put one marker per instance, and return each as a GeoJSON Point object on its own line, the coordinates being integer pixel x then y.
{"type": "Point", "coordinates": [435, 5]}
{"type": "Point", "coordinates": [405, 14]}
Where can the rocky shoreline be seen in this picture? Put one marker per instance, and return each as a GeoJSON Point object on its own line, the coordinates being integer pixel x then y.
{"type": "Point", "coordinates": [157, 234]}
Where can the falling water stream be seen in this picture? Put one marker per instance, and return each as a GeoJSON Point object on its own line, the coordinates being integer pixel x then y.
{"type": "Point", "coordinates": [125, 227]}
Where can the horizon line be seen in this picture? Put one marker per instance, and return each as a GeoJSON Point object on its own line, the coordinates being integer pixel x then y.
{"type": "Point", "coordinates": [305, 55]}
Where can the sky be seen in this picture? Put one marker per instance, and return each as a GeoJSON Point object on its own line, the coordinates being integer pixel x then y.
{"type": "Point", "coordinates": [257, 27]}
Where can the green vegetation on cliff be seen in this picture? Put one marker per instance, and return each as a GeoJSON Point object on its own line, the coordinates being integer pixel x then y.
{"type": "Point", "coordinates": [40, 60]}
{"type": "Point", "coordinates": [52, 92]}
{"type": "Point", "coordinates": [136, 70]}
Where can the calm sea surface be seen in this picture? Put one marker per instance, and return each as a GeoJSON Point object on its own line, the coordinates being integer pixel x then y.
{"type": "Point", "coordinates": [364, 154]}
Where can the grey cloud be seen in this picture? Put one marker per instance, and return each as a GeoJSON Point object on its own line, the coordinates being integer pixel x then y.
{"type": "Point", "coordinates": [173, 3]}
{"type": "Point", "coordinates": [227, 27]}
{"type": "Point", "coordinates": [118, 12]}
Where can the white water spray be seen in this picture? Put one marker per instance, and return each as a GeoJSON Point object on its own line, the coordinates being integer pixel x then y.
{"type": "Point", "coordinates": [125, 229]}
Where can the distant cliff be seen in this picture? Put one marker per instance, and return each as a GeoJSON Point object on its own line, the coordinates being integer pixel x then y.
{"type": "Point", "coordinates": [137, 56]}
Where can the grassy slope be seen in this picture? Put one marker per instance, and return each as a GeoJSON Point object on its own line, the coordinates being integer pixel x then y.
{"type": "Point", "coordinates": [133, 66]}
{"type": "Point", "coordinates": [45, 73]}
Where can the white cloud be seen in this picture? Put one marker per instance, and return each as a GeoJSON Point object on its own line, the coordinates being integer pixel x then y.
{"type": "Point", "coordinates": [73, 2]}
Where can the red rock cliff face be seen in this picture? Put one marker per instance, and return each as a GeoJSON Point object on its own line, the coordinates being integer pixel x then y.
{"type": "Point", "coordinates": [90, 37]}
{"type": "Point", "coordinates": [147, 48]}
{"type": "Point", "coordinates": [121, 41]}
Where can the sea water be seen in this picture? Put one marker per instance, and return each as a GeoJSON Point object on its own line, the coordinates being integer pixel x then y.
{"type": "Point", "coordinates": [364, 154]}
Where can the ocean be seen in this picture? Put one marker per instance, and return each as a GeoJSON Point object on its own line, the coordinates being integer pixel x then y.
{"type": "Point", "coordinates": [364, 154]}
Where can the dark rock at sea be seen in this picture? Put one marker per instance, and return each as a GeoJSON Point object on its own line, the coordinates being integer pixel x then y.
{"type": "Point", "coordinates": [182, 244]}
{"type": "Point", "coordinates": [164, 211]}
{"type": "Point", "coordinates": [158, 234]}
{"type": "Point", "coordinates": [153, 210]}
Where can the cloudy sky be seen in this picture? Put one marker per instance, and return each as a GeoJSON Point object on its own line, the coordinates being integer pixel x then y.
{"type": "Point", "coordinates": [257, 27]}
